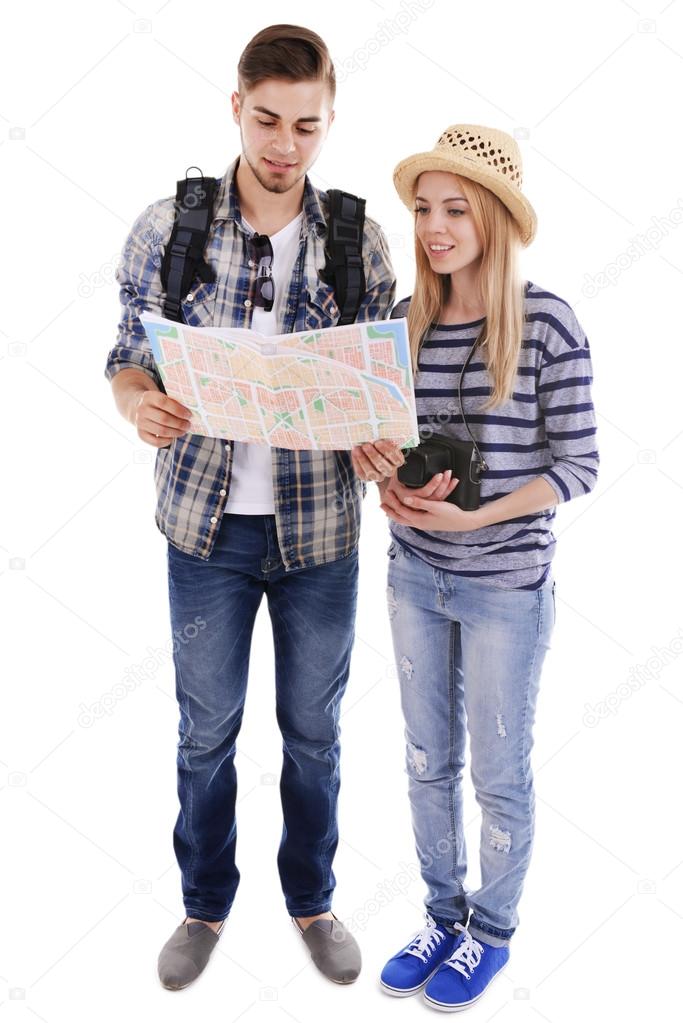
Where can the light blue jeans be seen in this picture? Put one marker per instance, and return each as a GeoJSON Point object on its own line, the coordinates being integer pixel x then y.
{"type": "Point", "coordinates": [469, 656]}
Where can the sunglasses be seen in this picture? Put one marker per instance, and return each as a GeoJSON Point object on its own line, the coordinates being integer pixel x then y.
{"type": "Point", "coordinates": [265, 289]}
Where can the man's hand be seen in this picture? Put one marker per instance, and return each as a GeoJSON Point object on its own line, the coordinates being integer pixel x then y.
{"type": "Point", "coordinates": [159, 418]}
{"type": "Point", "coordinates": [377, 460]}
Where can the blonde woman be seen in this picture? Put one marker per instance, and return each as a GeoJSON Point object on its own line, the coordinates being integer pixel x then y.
{"type": "Point", "coordinates": [471, 594]}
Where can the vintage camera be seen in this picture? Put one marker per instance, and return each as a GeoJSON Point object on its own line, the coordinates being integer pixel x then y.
{"type": "Point", "coordinates": [438, 454]}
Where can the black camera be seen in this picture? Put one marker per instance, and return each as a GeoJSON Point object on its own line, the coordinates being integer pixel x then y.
{"type": "Point", "coordinates": [438, 454]}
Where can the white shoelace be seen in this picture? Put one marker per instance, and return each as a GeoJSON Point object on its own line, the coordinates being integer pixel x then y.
{"type": "Point", "coordinates": [467, 955]}
{"type": "Point", "coordinates": [424, 943]}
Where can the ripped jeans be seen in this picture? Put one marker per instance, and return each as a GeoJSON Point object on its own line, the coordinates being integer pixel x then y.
{"type": "Point", "coordinates": [469, 656]}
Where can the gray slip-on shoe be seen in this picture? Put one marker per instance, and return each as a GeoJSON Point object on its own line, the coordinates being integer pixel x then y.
{"type": "Point", "coordinates": [185, 954]}
{"type": "Point", "coordinates": [333, 949]}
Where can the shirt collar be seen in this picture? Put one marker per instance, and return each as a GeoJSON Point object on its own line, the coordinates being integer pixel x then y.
{"type": "Point", "coordinates": [227, 205]}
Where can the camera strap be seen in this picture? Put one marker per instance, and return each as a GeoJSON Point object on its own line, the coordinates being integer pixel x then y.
{"type": "Point", "coordinates": [482, 464]}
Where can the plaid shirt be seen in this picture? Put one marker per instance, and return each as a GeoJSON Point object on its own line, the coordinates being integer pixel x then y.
{"type": "Point", "coordinates": [317, 496]}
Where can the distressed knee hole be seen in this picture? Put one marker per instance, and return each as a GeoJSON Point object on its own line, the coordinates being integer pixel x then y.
{"type": "Point", "coordinates": [392, 603]}
{"type": "Point", "coordinates": [500, 840]}
{"type": "Point", "coordinates": [407, 666]}
{"type": "Point", "coordinates": [500, 725]}
{"type": "Point", "coordinates": [417, 758]}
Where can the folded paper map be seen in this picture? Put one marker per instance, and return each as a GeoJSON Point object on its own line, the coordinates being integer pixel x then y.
{"type": "Point", "coordinates": [329, 388]}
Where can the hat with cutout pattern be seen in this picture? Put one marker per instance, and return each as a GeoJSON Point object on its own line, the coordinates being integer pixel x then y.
{"type": "Point", "coordinates": [486, 155]}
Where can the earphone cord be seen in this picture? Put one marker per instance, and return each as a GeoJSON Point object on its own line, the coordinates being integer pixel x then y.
{"type": "Point", "coordinates": [482, 464]}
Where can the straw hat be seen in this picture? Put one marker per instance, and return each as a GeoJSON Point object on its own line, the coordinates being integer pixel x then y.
{"type": "Point", "coordinates": [488, 156]}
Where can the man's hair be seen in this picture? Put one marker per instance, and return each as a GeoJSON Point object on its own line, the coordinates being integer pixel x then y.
{"type": "Point", "coordinates": [289, 52]}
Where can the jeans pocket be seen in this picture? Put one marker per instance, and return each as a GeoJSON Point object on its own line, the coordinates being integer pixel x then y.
{"type": "Point", "coordinates": [554, 605]}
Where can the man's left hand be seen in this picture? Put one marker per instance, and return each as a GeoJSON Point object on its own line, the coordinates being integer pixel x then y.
{"type": "Point", "coordinates": [377, 460]}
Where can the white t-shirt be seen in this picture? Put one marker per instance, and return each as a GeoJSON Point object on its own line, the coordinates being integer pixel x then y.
{"type": "Point", "coordinates": [251, 483]}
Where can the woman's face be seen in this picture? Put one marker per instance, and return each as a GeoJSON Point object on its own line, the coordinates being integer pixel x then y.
{"type": "Point", "coordinates": [444, 224]}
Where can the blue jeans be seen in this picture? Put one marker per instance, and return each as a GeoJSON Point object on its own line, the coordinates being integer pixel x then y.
{"type": "Point", "coordinates": [312, 611]}
{"type": "Point", "coordinates": [469, 656]}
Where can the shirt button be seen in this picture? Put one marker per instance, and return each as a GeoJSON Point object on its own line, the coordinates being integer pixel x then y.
{"type": "Point", "coordinates": [247, 303]}
{"type": "Point", "coordinates": [189, 297]}
{"type": "Point", "coordinates": [252, 263]}
{"type": "Point", "coordinates": [214, 519]}
{"type": "Point", "coordinates": [223, 493]}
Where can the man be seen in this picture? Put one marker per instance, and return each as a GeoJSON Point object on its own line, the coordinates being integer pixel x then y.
{"type": "Point", "coordinates": [243, 519]}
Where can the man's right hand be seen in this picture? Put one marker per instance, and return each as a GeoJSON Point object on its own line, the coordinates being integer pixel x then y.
{"type": "Point", "coordinates": [159, 418]}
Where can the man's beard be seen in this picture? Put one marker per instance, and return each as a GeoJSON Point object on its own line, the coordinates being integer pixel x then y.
{"type": "Point", "coordinates": [271, 185]}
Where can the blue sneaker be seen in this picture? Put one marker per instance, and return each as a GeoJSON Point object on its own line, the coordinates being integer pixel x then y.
{"type": "Point", "coordinates": [410, 969]}
{"type": "Point", "coordinates": [466, 974]}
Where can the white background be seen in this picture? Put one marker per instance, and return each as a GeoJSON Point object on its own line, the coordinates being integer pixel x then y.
{"type": "Point", "coordinates": [103, 107]}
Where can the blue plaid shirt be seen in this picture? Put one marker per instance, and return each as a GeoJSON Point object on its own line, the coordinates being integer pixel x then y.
{"type": "Point", "coordinates": [317, 495]}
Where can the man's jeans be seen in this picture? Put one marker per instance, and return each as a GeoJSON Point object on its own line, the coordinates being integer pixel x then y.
{"type": "Point", "coordinates": [469, 656]}
{"type": "Point", "coordinates": [312, 611]}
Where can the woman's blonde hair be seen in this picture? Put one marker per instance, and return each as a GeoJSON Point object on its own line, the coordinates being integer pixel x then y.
{"type": "Point", "coordinates": [500, 285]}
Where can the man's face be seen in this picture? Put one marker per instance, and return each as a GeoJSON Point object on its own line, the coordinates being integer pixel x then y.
{"type": "Point", "coordinates": [283, 126]}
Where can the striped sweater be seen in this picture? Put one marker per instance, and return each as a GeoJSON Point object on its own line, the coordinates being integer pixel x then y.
{"type": "Point", "coordinates": [546, 429]}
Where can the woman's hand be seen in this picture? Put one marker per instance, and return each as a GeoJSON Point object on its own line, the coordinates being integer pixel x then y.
{"type": "Point", "coordinates": [425, 507]}
{"type": "Point", "coordinates": [436, 489]}
{"type": "Point", "coordinates": [377, 460]}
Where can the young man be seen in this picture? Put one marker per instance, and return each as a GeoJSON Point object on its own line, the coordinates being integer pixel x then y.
{"type": "Point", "coordinates": [243, 519]}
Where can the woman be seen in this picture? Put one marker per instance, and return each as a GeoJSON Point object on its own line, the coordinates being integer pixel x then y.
{"type": "Point", "coordinates": [471, 594]}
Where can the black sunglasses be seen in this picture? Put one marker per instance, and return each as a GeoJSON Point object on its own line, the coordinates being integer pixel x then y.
{"type": "Point", "coordinates": [265, 289]}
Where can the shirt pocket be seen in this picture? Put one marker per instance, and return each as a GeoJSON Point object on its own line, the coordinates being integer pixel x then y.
{"type": "Point", "coordinates": [322, 309]}
{"type": "Point", "coordinates": [199, 305]}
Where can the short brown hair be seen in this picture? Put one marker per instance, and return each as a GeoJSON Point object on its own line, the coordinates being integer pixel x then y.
{"type": "Point", "coordinates": [285, 51]}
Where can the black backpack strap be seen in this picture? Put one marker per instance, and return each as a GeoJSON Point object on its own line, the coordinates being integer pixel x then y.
{"type": "Point", "coordinates": [184, 255]}
{"type": "Point", "coordinates": [344, 253]}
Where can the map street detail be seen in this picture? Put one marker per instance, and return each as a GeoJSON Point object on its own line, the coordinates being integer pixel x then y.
{"type": "Point", "coordinates": [323, 389]}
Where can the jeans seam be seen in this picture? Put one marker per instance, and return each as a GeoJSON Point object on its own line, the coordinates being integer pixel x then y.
{"type": "Point", "coordinates": [526, 747]}
{"type": "Point", "coordinates": [451, 743]}
{"type": "Point", "coordinates": [326, 858]}
{"type": "Point", "coordinates": [323, 855]}
{"type": "Point", "coordinates": [189, 789]}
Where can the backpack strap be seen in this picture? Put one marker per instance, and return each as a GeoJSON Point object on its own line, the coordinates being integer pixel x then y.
{"type": "Point", "coordinates": [184, 255]}
{"type": "Point", "coordinates": [344, 253]}
{"type": "Point", "coordinates": [183, 259]}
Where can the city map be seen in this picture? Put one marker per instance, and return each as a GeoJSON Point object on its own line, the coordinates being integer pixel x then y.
{"type": "Point", "coordinates": [327, 389]}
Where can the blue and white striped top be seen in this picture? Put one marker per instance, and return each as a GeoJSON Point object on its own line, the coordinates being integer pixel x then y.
{"type": "Point", "coordinates": [546, 429]}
